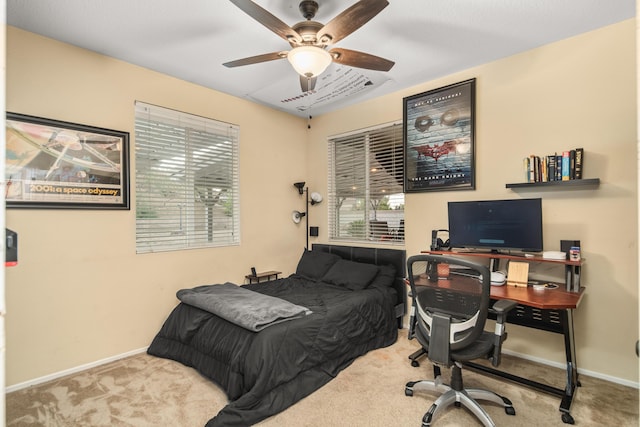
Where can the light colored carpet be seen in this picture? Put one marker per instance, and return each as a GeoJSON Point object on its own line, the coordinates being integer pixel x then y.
{"type": "Point", "coordinates": [146, 391]}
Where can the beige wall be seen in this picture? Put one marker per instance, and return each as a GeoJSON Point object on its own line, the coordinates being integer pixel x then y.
{"type": "Point", "coordinates": [580, 92]}
{"type": "Point", "coordinates": [81, 294]}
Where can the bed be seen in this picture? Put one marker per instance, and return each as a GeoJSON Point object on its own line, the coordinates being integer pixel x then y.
{"type": "Point", "coordinates": [354, 300]}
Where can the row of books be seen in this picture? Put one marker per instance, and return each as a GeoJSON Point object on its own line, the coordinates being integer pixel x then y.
{"type": "Point", "coordinates": [554, 167]}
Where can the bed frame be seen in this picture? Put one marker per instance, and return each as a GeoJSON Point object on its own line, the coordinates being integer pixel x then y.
{"type": "Point", "coordinates": [377, 256]}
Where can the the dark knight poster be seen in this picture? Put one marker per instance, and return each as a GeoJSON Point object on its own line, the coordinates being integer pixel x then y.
{"type": "Point", "coordinates": [439, 139]}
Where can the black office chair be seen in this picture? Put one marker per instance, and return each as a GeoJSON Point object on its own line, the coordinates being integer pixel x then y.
{"type": "Point", "coordinates": [448, 318]}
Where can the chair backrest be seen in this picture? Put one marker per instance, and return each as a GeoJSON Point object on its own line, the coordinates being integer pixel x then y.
{"type": "Point", "coordinates": [459, 302]}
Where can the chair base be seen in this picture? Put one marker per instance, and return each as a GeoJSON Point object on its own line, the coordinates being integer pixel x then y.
{"type": "Point", "coordinates": [466, 397]}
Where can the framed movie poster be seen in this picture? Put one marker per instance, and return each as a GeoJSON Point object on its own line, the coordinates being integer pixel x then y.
{"type": "Point", "coordinates": [439, 139]}
{"type": "Point", "coordinates": [53, 164]}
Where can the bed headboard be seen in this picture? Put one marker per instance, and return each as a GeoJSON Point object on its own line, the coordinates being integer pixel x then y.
{"type": "Point", "coordinates": [377, 256]}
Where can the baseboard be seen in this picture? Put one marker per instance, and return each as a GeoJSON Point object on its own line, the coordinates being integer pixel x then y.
{"type": "Point", "coordinates": [86, 366]}
{"type": "Point", "coordinates": [586, 372]}
{"type": "Point", "coordinates": [75, 370]}
{"type": "Point", "coordinates": [561, 365]}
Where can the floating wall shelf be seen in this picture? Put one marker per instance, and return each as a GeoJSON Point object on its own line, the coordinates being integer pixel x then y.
{"type": "Point", "coordinates": [593, 182]}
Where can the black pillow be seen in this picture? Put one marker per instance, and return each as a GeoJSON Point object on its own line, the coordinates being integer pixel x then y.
{"type": "Point", "coordinates": [350, 274]}
{"type": "Point", "coordinates": [385, 278]}
{"type": "Point", "coordinates": [314, 264]}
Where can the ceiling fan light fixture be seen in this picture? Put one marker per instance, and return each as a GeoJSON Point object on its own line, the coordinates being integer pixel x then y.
{"type": "Point", "coordinates": [309, 61]}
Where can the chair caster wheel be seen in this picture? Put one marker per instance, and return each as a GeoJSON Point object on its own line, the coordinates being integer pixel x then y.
{"type": "Point", "coordinates": [408, 392]}
{"type": "Point", "coordinates": [510, 410]}
{"type": "Point", "coordinates": [415, 363]}
{"type": "Point", "coordinates": [567, 418]}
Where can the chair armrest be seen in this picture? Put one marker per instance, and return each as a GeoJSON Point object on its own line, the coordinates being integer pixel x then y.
{"type": "Point", "coordinates": [501, 308]}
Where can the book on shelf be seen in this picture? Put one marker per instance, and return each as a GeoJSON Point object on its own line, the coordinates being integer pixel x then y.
{"type": "Point", "coordinates": [525, 168]}
{"type": "Point", "coordinates": [530, 169]}
{"type": "Point", "coordinates": [551, 172]}
{"type": "Point", "coordinates": [558, 167]}
{"type": "Point", "coordinates": [572, 164]}
{"type": "Point", "coordinates": [578, 163]}
{"type": "Point", "coordinates": [567, 165]}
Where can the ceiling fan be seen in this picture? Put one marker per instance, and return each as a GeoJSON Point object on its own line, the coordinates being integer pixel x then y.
{"type": "Point", "coordinates": [310, 39]}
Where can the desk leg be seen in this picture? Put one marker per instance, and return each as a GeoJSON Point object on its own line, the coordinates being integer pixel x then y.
{"type": "Point", "coordinates": [572, 367]}
{"type": "Point", "coordinates": [572, 382]}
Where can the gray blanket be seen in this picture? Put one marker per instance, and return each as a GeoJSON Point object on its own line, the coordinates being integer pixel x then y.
{"type": "Point", "coordinates": [251, 310]}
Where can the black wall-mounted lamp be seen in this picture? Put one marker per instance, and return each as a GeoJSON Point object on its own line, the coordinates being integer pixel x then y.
{"type": "Point", "coordinates": [312, 199]}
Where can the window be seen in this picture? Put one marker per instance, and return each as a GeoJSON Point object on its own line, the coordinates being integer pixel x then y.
{"type": "Point", "coordinates": [186, 181]}
{"type": "Point", "coordinates": [366, 199]}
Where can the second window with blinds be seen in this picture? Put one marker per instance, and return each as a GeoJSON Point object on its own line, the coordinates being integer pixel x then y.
{"type": "Point", "coordinates": [366, 199]}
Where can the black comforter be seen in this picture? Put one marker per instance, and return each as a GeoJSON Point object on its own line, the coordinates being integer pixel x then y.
{"type": "Point", "coordinates": [265, 372]}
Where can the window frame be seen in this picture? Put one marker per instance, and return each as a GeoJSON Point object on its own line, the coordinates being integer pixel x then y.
{"type": "Point", "coordinates": [187, 181]}
{"type": "Point", "coordinates": [368, 182]}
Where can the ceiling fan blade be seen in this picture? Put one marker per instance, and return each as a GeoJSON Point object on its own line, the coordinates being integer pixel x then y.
{"type": "Point", "coordinates": [268, 20]}
{"type": "Point", "coordinates": [353, 58]}
{"type": "Point", "coordinates": [256, 59]}
{"type": "Point", "coordinates": [350, 20]}
{"type": "Point", "coordinates": [307, 84]}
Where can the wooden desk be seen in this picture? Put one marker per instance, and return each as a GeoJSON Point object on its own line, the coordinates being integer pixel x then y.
{"type": "Point", "coordinates": [544, 309]}
{"type": "Point", "coordinates": [544, 299]}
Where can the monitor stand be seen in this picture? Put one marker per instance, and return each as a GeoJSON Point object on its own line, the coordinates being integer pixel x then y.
{"type": "Point", "coordinates": [494, 263]}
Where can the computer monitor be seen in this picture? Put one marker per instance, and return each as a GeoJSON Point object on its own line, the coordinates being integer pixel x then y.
{"type": "Point", "coordinates": [496, 225]}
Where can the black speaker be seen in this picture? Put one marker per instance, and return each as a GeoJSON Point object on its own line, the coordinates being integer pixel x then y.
{"type": "Point", "coordinates": [565, 246]}
{"type": "Point", "coordinates": [11, 255]}
{"type": "Point", "coordinates": [313, 231]}
{"type": "Point", "coordinates": [437, 244]}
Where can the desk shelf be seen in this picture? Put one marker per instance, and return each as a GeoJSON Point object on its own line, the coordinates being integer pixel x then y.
{"type": "Point", "coordinates": [493, 255]}
{"type": "Point", "coordinates": [572, 268]}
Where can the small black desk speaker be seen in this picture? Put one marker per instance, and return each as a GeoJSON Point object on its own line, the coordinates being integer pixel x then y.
{"type": "Point", "coordinates": [11, 254]}
{"type": "Point", "coordinates": [565, 246]}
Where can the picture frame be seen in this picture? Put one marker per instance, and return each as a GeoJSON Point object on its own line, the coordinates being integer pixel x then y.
{"type": "Point", "coordinates": [53, 164]}
{"type": "Point", "coordinates": [439, 139]}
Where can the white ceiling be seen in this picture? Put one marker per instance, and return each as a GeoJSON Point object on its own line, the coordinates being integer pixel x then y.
{"type": "Point", "coordinates": [427, 39]}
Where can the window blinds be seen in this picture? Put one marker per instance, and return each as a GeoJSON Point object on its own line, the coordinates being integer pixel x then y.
{"type": "Point", "coordinates": [186, 181]}
{"type": "Point", "coordinates": [366, 185]}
